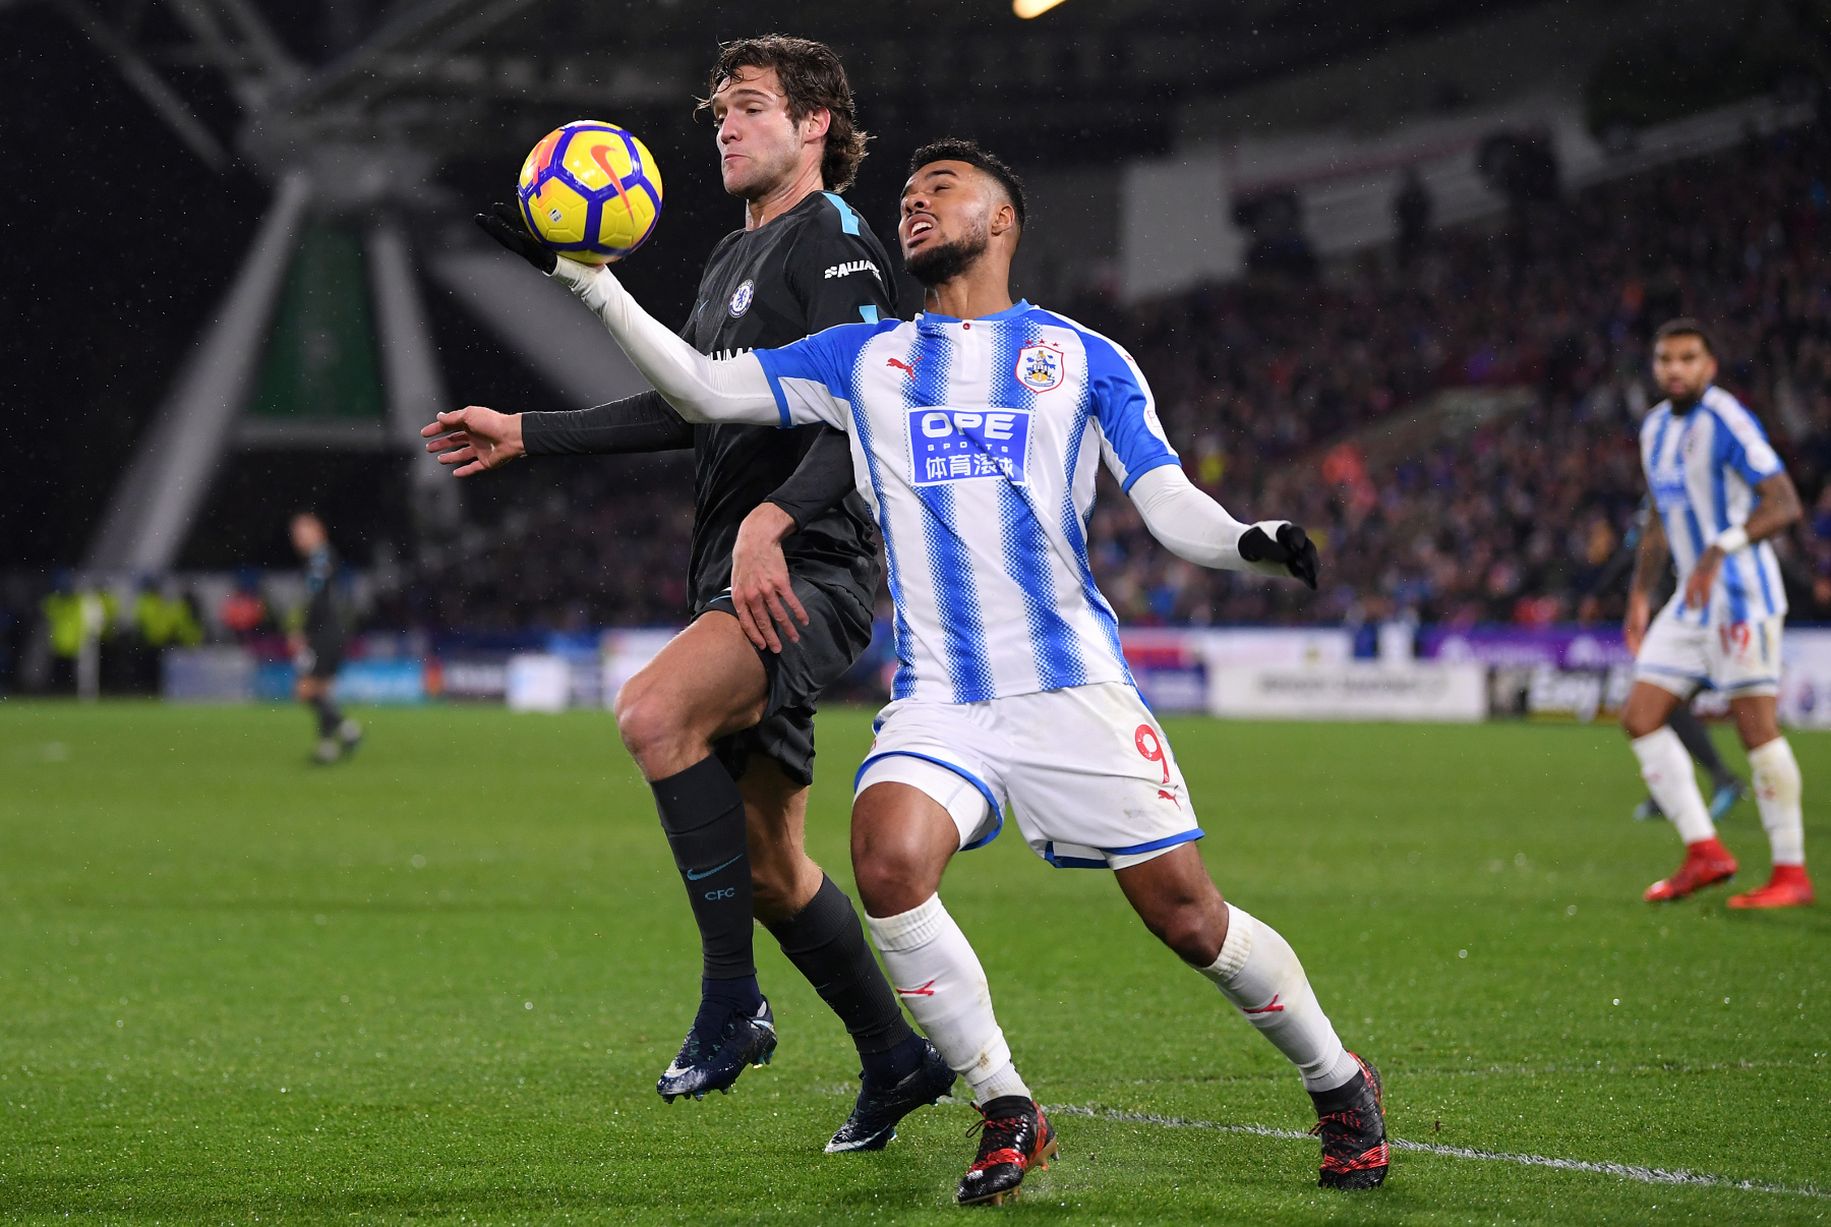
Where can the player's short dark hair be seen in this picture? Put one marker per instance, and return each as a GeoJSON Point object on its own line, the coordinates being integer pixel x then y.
{"type": "Point", "coordinates": [1684, 326]}
{"type": "Point", "coordinates": [812, 78]}
{"type": "Point", "coordinates": [954, 149]}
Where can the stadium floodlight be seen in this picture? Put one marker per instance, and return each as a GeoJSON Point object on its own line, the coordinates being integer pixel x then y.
{"type": "Point", "coordinates": [1027, 9]}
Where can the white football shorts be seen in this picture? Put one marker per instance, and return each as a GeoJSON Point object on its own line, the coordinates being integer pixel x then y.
{"type": "Point", "coordinates": [1087, 772]}
{"type": "Point", "coordinates": [1736, 658]}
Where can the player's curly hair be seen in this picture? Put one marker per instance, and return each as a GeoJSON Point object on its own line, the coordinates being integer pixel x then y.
{"type": "Point", "coordinates": [956, 149]}
{"type": "Point", "coordinates": [812, 77]}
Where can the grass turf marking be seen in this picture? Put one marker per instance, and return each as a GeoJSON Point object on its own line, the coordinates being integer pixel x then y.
{"type": "Point", "coordinates": [1622, 1171]}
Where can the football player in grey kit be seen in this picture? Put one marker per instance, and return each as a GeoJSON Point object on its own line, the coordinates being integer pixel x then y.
{"type": "Point", "coordinates": [317, 644]}
{"type": "Point", "coordinates": [784, 575]}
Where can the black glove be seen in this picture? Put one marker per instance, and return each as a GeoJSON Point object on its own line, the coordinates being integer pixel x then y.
{"type": "Point", "coordinates": [504, 224]}
{"type": "Point", "coordinates": [1293, 548]}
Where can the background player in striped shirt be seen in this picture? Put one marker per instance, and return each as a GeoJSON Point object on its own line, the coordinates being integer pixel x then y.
{"type": "Point", "coordinates": [1721, 493]}
{"type": "Point", "coordinates": [976, 431]}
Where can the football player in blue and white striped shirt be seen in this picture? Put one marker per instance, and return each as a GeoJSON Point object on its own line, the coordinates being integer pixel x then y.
{"type": "Point", "coordinates": [976, 430]}
{"type": "Point", "coordinates": [1720, 493]}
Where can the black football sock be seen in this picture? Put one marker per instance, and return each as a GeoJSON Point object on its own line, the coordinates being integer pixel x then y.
{"type": "Point", "coordinates": [1697, 741]}
{"type": "Point", "coordinates": [702, 813]}
{"type": "Point", "coordinates": [827, 945]}
{"type": "Point", "coordinates": [328, 715]}
{"type": "Point", "coordinates": [891, 1066]}
{"type": "Point", "coordinates": [720, 999]}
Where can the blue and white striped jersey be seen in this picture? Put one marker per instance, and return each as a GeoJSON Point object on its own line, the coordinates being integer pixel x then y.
{"type": "Point", "coordinates": [973, 441]}
{"type": "Point", "coordinates": [1702, 468]}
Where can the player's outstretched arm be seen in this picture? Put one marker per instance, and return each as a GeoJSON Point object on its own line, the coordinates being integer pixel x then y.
{"type": "Point", "coordinates": [479, 439]}
{"type": "Point", "coordinates": [1197, 529]}
{"type": "Point", "coordinates": [701, 389]}
{"type": "Point", "coordinates": [644, 422]}
{"type": "Point", "coordinates": [473, 439]}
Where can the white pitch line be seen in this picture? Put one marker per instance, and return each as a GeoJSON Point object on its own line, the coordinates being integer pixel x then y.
{"type": "Point", "coordinates": [1540, 1071]}
{"type": "Point", "coordinates": [1623, 1171]}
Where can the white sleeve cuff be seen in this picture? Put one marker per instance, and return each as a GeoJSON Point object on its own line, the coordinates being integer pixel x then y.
{"type": "Point", "coordinates": [1193, 526]}
{"type": "Point", "coordinates": [1732, 539]}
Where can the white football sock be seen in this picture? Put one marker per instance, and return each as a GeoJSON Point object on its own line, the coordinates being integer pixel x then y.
{"type": "Point", "coordinates": [1258, 971]}
{"type": "Point", "coordinates": [1666, 768]}
{"type": "Point", "coordinates": [937, 975]}
{"type": "Point", "coordinates": [1777, 793]}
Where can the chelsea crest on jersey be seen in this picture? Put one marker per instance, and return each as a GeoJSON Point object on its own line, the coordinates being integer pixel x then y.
{"type": "Point", "coordinates": [976, 443]}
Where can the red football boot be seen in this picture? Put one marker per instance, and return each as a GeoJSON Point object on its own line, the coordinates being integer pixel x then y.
{"type": "Point", "coordinates": [1351, 1121]}
{"type": "Point", "coordinates": [1789, 887]}
{"type": "Point", "coordinates": [1014, 1136]}
{"type": "Point", "coordinates": [1707, 862]}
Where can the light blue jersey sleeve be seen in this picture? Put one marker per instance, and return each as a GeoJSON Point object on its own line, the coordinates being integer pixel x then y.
{"type": "Point", "coordinates": [1122, 404]}
{"type": "Point", "coordinates": [1742, 445]}
{"type": "Point", "coordinates": [812, 378]}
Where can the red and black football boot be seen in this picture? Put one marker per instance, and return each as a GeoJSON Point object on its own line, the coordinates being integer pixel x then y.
{"type": "Point", "coordinates": [1014, 1135]}
{"type": "Point", "coordinates": [1351, 1120]}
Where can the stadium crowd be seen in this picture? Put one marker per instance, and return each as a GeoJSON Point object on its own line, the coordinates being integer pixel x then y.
{"type": "Point", "coordinates": [1324, 399]}
{"type": "Point", "coordinates": [1311, 399]}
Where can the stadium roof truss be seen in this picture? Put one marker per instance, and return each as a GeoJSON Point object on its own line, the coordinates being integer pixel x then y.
{"type": "Point", "coordinates": [342, 142]}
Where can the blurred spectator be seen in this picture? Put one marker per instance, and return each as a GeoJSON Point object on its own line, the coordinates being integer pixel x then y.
{"type": "Point", "coordinates": [163, 617]}
{"type": "Point", "coordinates": [1278, 244]}
{"type": "Point", "coordinates": [1279, 387]}
{"type": "Point", "coordinates": [77, 617]}
{"type": "Point", "coordinates": [243, 613]}
{"type": "Point", "coordinates": [1411, 211]}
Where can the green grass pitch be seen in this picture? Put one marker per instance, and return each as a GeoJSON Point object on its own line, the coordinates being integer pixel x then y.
{"type": "Point", "coordinates": [438, 982]}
